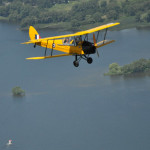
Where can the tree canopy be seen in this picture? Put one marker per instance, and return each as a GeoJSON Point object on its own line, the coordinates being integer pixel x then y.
{"type": "Point", "coordinates": [17, 91]}
{"type": "Point", "coordinates": [139, 66]}
{"type": "Point", "coordinates": [31, 12]}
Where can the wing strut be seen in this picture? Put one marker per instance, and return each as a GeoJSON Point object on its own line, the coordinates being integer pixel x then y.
{"type": "Point", "coordinates": [86, 37]}
{"type": "Point", "coordinates": [105, 35]}
{"type": "Point", "coordinates": [97, 36]}
{"type": "Point", "coordinates": [46, 48]}
{"type": "Point", "coordinates": [52, 47]}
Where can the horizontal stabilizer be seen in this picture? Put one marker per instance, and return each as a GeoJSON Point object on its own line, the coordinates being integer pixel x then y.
{"type": "Point", "coordinates": [33, 41]}
{"type": "Point", "coordinates": [45, 57]}
{"type": "Point", "coordinates": [104, 42]}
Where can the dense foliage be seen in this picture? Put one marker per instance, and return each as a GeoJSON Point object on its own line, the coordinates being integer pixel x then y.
{"type": "Point", "coordinates": [139, 66]}
{"type": "Point", "coordinates": [30, 12]}
{"type": "Point", "coordinates": [17, 91]}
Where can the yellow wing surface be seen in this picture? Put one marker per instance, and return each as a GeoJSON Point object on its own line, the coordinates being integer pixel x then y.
{"type": "Point", "coordinates": [32, 33]}
{"type": "Point", "coordinates": [44, 57]}
{"type": "Point", "coordinates": [69, 35]}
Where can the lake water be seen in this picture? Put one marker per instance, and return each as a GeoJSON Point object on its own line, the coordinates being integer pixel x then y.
{"type": "Point", "coordinates": [68, 108]}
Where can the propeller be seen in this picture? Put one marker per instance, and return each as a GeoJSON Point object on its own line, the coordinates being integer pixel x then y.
{"type": "Point", "coordinates": [95, 44]}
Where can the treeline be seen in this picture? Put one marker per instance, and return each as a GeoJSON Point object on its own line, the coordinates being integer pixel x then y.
{"type": "Point", "coordinates": [38, 3]}
{"type": "Point", "coordinates": [139, 66]}
{"type": "Point", "coordinates": [30, 12]}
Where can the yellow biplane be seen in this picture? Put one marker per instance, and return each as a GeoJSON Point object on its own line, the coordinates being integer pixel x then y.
{"type": "Point", "coordinates": [76, 44]}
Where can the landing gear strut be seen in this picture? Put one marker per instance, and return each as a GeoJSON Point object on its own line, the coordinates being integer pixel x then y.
{"type": "Point", "coordinates": [77, 60]}
{"type": "Point", "coordinates": [89, 60]}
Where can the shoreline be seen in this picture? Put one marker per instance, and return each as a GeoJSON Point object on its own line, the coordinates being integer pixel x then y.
{"type": "Point", "coordinates": [140, 66]}
{"type": "Point", "coordinates": [66, 26]}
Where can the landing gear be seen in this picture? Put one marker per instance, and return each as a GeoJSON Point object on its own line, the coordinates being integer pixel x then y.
{"type": "Point", "coordinates": [89, 60]}
{"type": "Point", "coordinates": [34, 45]}
{"type": "Point", "coordinates": [77, 60]}
{"type": "Point", "coordinates": [76, 63]}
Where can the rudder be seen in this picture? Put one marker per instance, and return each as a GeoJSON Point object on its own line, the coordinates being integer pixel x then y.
{"type": "Point", "coordinates": [33, 34]}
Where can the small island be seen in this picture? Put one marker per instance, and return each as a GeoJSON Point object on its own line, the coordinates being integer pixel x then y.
{"type": "Point", "coordinates": [139, 66]}
{"type": "Point", "coordinates": [17, 91]}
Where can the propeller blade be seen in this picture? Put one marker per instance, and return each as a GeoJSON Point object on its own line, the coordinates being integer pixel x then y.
{"type": "Point", "coordinates": [94, 39]}
{"type": "Point", "coordinates": [95, 44]}
{"type": "Point", "coordinates": [97, 52]}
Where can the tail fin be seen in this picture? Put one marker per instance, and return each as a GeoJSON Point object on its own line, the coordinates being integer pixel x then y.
{"type": "Point", "coordinates": [33, 34]}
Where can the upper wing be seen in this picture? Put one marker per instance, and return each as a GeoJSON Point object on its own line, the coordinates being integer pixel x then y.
{"type": "Point", "coordinates": [75, 34]}
{"type": "Point", "coordinates": [97, 28]}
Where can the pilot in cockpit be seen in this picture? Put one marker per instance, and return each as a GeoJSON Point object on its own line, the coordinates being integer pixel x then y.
{"type": "Point", "coordinates": [78, 40]}
{"type": "Point", "coordinates": [68, 41]}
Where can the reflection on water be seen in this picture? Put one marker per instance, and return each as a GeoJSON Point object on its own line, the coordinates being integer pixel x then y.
{"type": "Point", "coordinates": [137, 75]}
{"type": "Point", "coordinates": [73, 108]}
{"type": "Point", "coordinates": [131, 76]}
{"type": "Point", "coordinates": [9, 147]}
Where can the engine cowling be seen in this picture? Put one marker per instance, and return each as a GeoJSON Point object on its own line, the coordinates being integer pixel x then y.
{"type": "Point", "coordinates": [88, 47]}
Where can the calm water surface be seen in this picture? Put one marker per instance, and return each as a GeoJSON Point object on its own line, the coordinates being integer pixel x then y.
{"type": "Point", "coordinates": [68, 108]}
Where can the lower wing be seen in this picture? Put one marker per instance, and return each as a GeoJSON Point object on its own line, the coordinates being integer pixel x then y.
{"type": "Point", "coordinates": [103, 43]}
{"type": "Point", "coordinates": [44, 57]}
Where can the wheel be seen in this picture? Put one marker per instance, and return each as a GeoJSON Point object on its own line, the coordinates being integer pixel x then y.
{"type": "Point", "coordinates": [76, 63]}
{"type": "Point", "coordinates": [89, 60]}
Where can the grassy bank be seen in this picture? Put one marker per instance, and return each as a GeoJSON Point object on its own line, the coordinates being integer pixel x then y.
{"type": "Point", "coordinates": [61, 26]}
{"type": "Point", "coordinates": [66, 26]}
{"type": "Point", "coordinates": [2, 19]}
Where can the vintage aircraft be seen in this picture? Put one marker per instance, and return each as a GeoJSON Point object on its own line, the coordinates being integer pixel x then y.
{"type": "Point", "coordinates": [76, 44]}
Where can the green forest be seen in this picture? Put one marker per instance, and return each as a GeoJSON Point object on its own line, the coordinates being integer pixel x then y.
{"type": "Point", "coordinates": [75, 14]}
{"type": "Point", "coordinates": [139, 66]}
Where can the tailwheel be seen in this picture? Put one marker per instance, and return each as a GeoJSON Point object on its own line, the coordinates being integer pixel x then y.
{"type": "Point", "coordinates": [76, 63]}
{"type": "Point", "coordinates": [34, 45]}
{"type": "Point", "coordinates": [89, 60]}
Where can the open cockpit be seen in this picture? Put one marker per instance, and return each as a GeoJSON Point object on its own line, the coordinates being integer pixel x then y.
{"type": "Point", "coordinates": [72, 41]}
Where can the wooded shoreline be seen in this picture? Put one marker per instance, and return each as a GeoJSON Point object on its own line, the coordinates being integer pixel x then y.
{"type": "Point", "coordinates": [140, 66]}
{"type": "Point", "coordinates": [75, 15]}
